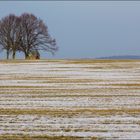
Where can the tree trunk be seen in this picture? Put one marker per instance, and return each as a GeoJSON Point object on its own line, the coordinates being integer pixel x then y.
{"type": "Point", "coordinates": [7, 54]}
{"type": "Point", "coordinates": [26, 56]}
{"type": "Point", "coordinates": [14, 54]}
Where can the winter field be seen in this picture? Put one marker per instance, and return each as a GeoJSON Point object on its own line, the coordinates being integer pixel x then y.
{"type": "Point", "coordinates": [69, 99]}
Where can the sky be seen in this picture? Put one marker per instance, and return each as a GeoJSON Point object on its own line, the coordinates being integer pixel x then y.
{"type": "Point", "coordinates": [85, 29]}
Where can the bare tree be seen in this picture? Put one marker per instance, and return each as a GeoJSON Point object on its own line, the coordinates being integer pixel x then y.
{"type": "Point", "coordinates": [25, 33]}
{"type": "Point", "coordinates": [4, 37]}
{"type": "Point", "coordinates": [34, 35]}
{"type": "Point", "coordinates": [15, 36]}
{"type": "Point", "coordinates": [9, 34]}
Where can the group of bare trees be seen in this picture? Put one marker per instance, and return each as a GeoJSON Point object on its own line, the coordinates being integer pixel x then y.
{"type": "Point", "coordinates": [23, 34]}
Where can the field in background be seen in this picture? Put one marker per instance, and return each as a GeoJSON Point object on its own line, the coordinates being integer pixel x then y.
{"type": "Point", "coordinates": [70, 99]}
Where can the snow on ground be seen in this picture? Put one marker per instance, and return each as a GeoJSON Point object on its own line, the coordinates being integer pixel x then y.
{"type": "Point", "coordinates": [71, 99]}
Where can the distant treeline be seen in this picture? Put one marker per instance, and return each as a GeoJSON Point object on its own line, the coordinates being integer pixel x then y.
{"type": "Point", "coordinates": [121, 57]}
{"type": "Point", "coordinates": [25, 33]}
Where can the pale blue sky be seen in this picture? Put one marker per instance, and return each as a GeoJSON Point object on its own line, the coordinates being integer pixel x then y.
{"type": "Point", "coordinates": [86, 29]}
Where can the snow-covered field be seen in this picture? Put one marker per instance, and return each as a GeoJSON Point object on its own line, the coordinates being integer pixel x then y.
{"type": "Point", "coordinates": [70, 99]}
